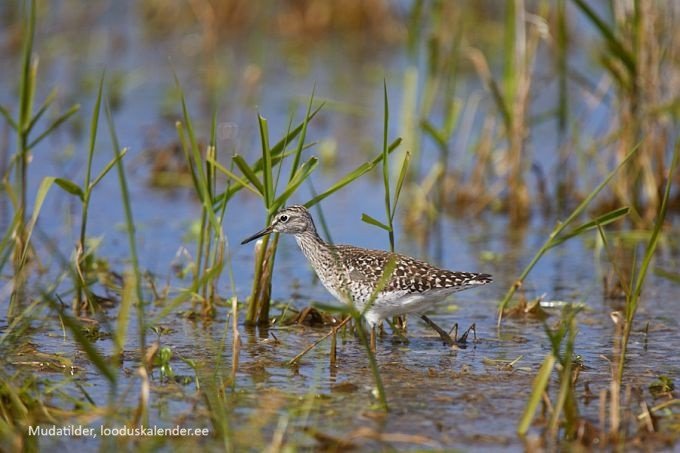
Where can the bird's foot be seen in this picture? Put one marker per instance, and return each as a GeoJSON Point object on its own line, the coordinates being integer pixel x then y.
{"type": "Point", "coordinates": [462, 340]}
{"type": "Point", "coordinates": [446, 338]}
{"type": "Point", "coordinates": [455, 342]}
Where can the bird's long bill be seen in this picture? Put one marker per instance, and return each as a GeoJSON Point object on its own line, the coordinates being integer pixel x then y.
{"type": "Point", "coordinates": [257, 235]}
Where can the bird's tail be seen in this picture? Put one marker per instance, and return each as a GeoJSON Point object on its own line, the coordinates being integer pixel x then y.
{"type": "Point", "coordinates": [479, 279]}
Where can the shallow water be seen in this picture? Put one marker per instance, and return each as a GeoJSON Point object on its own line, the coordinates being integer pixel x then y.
{"type": "Point", "coordinates": [438, 398]}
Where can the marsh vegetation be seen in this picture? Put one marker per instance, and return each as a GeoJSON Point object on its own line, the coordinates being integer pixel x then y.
{"type": "Point", "coordinates": [140, 142]}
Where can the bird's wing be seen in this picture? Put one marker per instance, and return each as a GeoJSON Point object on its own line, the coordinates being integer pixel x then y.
{"type": "Point", "coordinates": [409, 273]}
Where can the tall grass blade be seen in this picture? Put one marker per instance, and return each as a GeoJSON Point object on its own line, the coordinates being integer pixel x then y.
{"type": "Point", "coordinates": [626, 57]}
{"type": "Point", "coordinates": [267, 176]}
{"type": "Point", "coordinates": [126, 301]}
{"type": "Point", "coordinates": [557, 231]}
{"type": "Point", "coordinates": [8, 117]}
{"type": "Point", "coordinates": [131, 231]}
{"type": "Point", "coordinates": [5, 249]}
{"type": "Point", "coordinates": [641, 274]}
{"type": "Point", "coordinates": [43, 189]}
{"type": "Point", "coordinates": [538, 388]}
{"type": "Point", "coordinates": [41, 110]}
{"type": "Point", "coordinates": [400, 181]}
{"type": "Point", "coordinates": [303, 136]}
{"type": "Point", "coordinates": [76, 330]}
{"type": "Point", "coordinates": [233, 176]}
{"type": "Point", "coordinates": [248, 172]}
{"type": "Point", "coordinates": [54, 125]}
{"type": "Point", "coordinates": [27, 80]}
{"type": "Point", "coordinates": [351, 176]}
{"type": "Point", "coordinates": [297, 179]}
{"type": "Point", "coordinates": [107, 168]}
{"type": "Point", "coordinates": [599, 221]}
{"type": "Point", "coordinates": [186, 294]}
{"type": "Point", "coordinates": [385, 160]}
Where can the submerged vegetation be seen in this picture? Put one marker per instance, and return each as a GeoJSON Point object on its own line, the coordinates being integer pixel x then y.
{"type": "Point", "coordinates": [504, 123]}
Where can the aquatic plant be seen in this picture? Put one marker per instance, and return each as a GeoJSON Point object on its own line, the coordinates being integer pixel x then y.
{"type": "Point", "coordinates": [635, 55]}
{"type": "Point", "coordinates": [562, 346]}
{"type": "Point", "coordinates": [133, 282]}
{"type": "Point", "coordinates": [266, 188]}
{"type": "Point", "coordinates": [560, 234]}
{"type": "Point", "coordinates": [633, 285]}
{"type": "Point", "coordinates": [212, 243]}
{"type": "Point", "coordinates": [390, 202]}
{"type": "Point", "coordinates": [27, 138]}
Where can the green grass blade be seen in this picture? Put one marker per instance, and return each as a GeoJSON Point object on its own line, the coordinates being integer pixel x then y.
{"type": "Point", "coordinates": [602, 220]}
{"type": "Point", "coordinates": [385, 160]}
{"type": "Point", "coordinates": [342, 182]}
{"type": "Point", "coordinates": [668, 275]}
{"type": "Point", "coordinates": [8, 117]}
{"type": "Point", "coordinates": [186, 148]}
{"type": "Point", "coordinates": [55, 124]}
{"type": "Point", "coordinates": [20, 322]}
{"type": "Point", "coordinates": [107, 168]}
{"type": "Point", "coordinates": [501, 103]}
{"type": "Point", "coordinates": [7, 238]}
{"type": "Point", "coordinates": [201, 179]}
{"type": "Point", "coordinates": [373, 221]}
{"type": "Point", "coordinates": [90, 351]}
{"type": "Point", "coordinates": [70, 187]}
{"type": "Point", "coordinates": [303, 136]}
{"type": "Point", "coordinates": [280, 169]}
{"type": "Point", "coordinates": [511, 38]}
{"type": "Point", "coordinates": [400, 181]}
{"type": "Point", "coordinates": [209, 168]}
{"type": "Point", "coordinates": [277, 151]}
{"type": "Point", "coordinates": [280, 146]}
{"type": "Point", "coordinates": [558, 230]}
{"type": "Point", "coordinates": [386, 276]}
{"type": "Point", "coordinates": [230, 191]}
{"type": "Point", "coordinates": [626, 57]}
{"type": "Point", "coordinates": [131, 231]}
{"type": "Point", "coordinates": [267, 177]}
{"type": "Point", "coordinates": [27, 81]}
{"type": "Point", "coordinates": [320, 215]}
{"type": "Point", "coordinates": [658, 224]}
{"type": "Point", "coordinates": [126, 302]}
{"type": "Point", "coordinates": [187, 121]}
{"type": "Point", "coordinates": [298, 178]}
{"type": "Point", "coordinates": [94, 124]}
{"type": "Point", "coordinates": [249, 173]}
{"type": "Point", "coordinates": [430, 129]}
{"type": "Point", "coordinates": [351, 176]}
{"type": "Point", "coordinates": [41, 111]}
{"type": "Point", "coordinates": [43, 189]}
{"type": "Point", "coordinates": [537, 389]}
{"type": "Point", "coordinates": [186, 294]}
{"type": "Point", "coordinates": [344, 309]}
{"type": "Point", "coordinates": [562, 43]}
{"type": "Point", "coordinates": [242, 183]}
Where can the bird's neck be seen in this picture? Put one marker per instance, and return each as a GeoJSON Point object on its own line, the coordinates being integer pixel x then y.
{"type": "Point", "coordinates": [326, 261]}
{"type": "Point", "coordinates": [311, 244]}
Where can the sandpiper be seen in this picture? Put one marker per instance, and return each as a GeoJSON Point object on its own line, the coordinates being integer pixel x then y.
{"type": "Point", "coordinates": [352, 274]}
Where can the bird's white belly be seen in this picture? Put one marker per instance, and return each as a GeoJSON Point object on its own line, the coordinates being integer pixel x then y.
{"type": "Point", "coordinates": [397, 303]}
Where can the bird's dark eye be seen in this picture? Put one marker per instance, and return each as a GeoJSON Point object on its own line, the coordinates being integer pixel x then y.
{"type": "Point", "coordinates": [283, 218]}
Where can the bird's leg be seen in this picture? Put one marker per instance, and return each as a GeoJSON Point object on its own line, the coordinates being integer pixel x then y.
{"type": "Point", "coordinates": [463, 338]}
{"type": "Point", "coordinates": [454, 331]}
{"type": "Point", "coordinates": [446, 338]}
